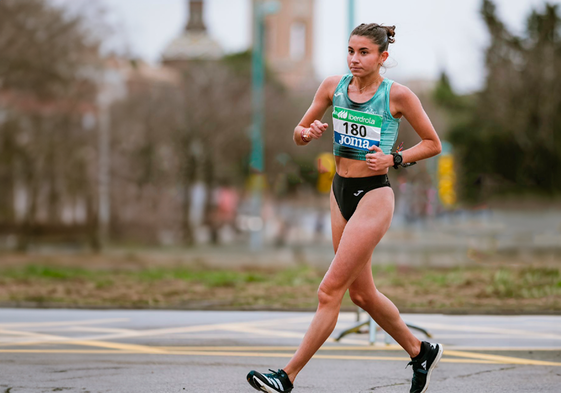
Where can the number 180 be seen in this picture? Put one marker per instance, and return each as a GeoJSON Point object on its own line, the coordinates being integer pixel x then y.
{"type": "Point", "coordinates": [355, 129]}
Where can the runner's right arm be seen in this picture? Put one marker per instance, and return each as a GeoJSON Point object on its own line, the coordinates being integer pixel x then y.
{"type": "Point", "coordinates": [311, 126]}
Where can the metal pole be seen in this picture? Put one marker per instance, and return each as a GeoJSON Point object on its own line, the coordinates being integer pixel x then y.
{"type": "Point", "coordinates": [256, 159]}
{"type": "Point", "coordinates": [256, 163]}
{"type": "Point", "coordinates": [351, 15]}
{"type": "Point", "coordinates": [104, 173]}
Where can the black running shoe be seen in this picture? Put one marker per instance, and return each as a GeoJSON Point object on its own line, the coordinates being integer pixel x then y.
{"type": "Point", "coordinates": [278, 381]}
{"type": "Point", "coordinates": [422, 367]}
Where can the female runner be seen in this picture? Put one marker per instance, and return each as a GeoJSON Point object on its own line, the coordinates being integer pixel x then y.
{"type": "Point", "coordinates": [367, 109]}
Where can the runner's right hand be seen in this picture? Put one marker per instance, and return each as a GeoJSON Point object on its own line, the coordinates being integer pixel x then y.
{"type": "Point", "coordinates": [316, 130]}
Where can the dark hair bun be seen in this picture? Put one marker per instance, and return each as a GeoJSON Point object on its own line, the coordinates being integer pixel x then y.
{"type": "Point", "coordinates": [390, 31]}
{"type": "Point", "coordinates": [380, 35]}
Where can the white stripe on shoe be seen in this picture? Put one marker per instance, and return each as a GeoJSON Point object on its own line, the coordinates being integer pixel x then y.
{"type": "Point", "coordinates": [264, 388]}
{"type": "Point", "coordinates": [272, 381]}
{"type": "Point", "coordinates": [275, 382]}
{"type": "Point", "coordinates": [278, 384]}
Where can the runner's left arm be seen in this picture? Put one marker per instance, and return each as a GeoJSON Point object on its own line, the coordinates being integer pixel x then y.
{"type": "Point", "coordinates": [405, 102]}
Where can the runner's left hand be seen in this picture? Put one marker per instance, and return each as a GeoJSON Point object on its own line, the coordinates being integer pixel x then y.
{"type": "Point", "coordinates": [377, 161]}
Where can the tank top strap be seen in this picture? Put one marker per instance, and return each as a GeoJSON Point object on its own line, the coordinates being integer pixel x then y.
{"type": "Point", "coordinates": [343, 84]}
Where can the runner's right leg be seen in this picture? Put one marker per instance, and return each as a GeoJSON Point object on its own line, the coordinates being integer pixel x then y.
{"type": "Point", "coordinates": [364, 294]}
{"type": "Point", "coordinates": [354, 243]}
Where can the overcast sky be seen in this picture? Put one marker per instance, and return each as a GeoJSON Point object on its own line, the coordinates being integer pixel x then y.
{"type": "Point", "coordinates": [431, 35]}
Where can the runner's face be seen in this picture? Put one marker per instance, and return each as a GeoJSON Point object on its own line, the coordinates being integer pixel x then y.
{"type": "Point", "coordinates": [363, 56]}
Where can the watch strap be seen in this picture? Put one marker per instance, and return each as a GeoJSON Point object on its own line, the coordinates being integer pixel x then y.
{"type": "Point", "coordinates": [396, 165]}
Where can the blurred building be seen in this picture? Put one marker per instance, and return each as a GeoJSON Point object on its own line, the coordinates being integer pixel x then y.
{"type": "Point", "coordinates": [289, 44]}
{"type": "Point", "coordinates": [194, 43]}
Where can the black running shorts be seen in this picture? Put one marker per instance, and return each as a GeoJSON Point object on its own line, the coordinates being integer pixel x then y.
{"type": "Point", "coordinates": [348, 191]}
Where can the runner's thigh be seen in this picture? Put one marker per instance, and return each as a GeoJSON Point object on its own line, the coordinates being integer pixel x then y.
{"type": "Point", "coordinates": [338, 222]}
{"type": "Point", "coordinates": [361, 234]}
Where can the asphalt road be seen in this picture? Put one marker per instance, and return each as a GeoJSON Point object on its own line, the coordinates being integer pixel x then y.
{"type": "Point", "coordinates": [212, 351]}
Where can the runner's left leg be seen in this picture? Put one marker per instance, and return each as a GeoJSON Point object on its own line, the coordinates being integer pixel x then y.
{"type": "Point", "coordinates": [364, 294]}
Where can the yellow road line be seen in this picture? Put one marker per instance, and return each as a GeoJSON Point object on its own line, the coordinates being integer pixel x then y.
{"type": "Point", "coordinates": [127, 347]}
{"type": "Point", "coordinates": [498, 358]}
{"type": "Point", "coordinates": [483, 329]}
{"type": "Point", "coordinates": [70, 351]}
{"type": "Point", "coordinates": [364, 347]}
{"type": "Point", "coordinates": [212, 351]}
{"type": "Point", "coordinates": [34, 336]}
{"type": "Point", "coordinates": [24, 333]}
{"type": "Point", "coordinates": [486, 358]}
{"type": "Point", "coordinates": [92, 343]}
{"type": "Point", "coordinates": [156, 332]}
{"type": "Point", "coordinates": [287, 334]}
{"type": "Point", "coordinates": [490, 336]}
{"type": "Point", "coordinates": [267, 332]}
{"type": "Point", "coordinates": [282, 348]}
{"type": "Point", "coordinates": [242, 354]}
{"type": "Point", "coordinates": [63, 323]}
{"type": "Point", "coordinates": [98, 330]}
{"type": "Point", "coordinates": [506, 349]}
{"type": "Point", "coordinates": [254, 327]}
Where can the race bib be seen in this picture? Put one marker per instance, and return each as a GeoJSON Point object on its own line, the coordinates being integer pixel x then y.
{"type": "Point", "coordinates": [357, 130]}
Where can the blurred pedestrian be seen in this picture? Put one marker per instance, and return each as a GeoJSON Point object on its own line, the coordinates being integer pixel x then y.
{"type": "Point", "coordinates": [227, 204]}
{"type": "Point", "coordinates": [367, 109]}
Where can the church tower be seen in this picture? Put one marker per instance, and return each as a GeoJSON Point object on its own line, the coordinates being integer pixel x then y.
{"type": "Point", "coordinates": [194, 43]}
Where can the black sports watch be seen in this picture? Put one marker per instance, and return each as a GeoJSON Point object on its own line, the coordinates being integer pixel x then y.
{"type": "Point", "coordinates": [397, 160]}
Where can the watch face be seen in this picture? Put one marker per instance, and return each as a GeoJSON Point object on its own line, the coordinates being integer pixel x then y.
{"type": "Point", "coordinates": [397, 159]}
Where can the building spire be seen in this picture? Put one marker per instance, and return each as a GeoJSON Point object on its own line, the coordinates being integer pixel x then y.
{"type": "Point", "coordinates": [194, 43]}
{"type": "Point", "coordinates": [195, 22]}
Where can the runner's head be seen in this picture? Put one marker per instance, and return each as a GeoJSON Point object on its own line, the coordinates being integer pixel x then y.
{"type": "Point", "coordinates": [368, 45]}
{"type": "Point", "coordinates": [378, 34]}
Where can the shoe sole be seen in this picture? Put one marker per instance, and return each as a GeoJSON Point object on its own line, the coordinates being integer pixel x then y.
{"type": "Point", "coordinates": [433, 366]}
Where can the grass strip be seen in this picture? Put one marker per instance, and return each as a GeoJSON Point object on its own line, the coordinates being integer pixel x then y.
{"type": "Point", "coordinates": [481, 287]}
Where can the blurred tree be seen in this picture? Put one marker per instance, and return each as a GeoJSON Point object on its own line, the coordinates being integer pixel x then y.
{"type": "Point", "coordinates": [218, 118]}
{"type": "Point", "coordinates": [46, 87]}
{"type": "Point", "coordinates": [192, 129]}
{"type": "Point", "coordinates": [213, 141]}
{"type": "Point", "coordinates": [144, 162]}
{"type": "Point", "coordinates": [511, 139]}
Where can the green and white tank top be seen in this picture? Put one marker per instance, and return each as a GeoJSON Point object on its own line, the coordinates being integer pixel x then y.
{"type": "Point", "coordinates": [357, 126]}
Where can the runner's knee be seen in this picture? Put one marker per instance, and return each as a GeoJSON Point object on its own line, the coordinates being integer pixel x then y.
{"type": "Point", "coordinates": [361, 298]}
{"type": "Point", "coordinates": [327, 295]}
